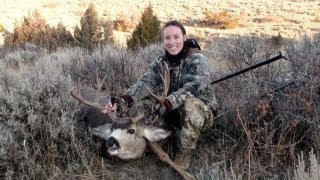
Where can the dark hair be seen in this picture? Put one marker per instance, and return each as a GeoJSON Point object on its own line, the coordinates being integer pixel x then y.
{"type": "Point", "coordinates": [175, 23]}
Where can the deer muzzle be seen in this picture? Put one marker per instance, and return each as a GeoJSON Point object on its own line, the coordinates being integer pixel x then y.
{"type": "Point", "coordinates": [112, 144]}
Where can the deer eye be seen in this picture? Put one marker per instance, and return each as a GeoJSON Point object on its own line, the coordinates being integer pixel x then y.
{"type": "Point", "coordinates": [130, 131]}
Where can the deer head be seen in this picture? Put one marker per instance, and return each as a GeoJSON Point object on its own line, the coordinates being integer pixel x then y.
{"type": "Point", "coordinates": [126, 137]}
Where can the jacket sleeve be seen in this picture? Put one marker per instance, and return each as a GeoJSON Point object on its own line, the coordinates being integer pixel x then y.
{"type": "Point", "coordinates": [195, 78]}
{"type": "Point", "coordinates": [151, 78]}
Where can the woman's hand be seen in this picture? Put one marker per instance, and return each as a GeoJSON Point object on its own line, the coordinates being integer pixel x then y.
{"type": "Point", "coordinates": [161, 109]}
{"type": "Point", "coordinates": [110, 108]}
{"type": "Point", "coordinates": [118, 106]}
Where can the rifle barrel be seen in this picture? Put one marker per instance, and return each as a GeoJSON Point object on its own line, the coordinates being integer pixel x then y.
{"type": "Point", "coordinates": [280, 56]}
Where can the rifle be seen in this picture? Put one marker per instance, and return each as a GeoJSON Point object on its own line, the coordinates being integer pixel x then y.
{"type": "Point", "coordinates": [280, 56]}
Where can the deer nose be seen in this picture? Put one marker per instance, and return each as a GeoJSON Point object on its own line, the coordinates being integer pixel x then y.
{"type": "Point", "coordinates": [111, 142]}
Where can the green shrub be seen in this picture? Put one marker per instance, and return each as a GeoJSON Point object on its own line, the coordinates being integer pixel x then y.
{"type": "Point", "coordinates": [89, 35]}
{"type": "Point", "coordinates": [276, 42]}
{"type": "Point", "coordinates": [108, 32]}
{"type": "Point", "coordinates": [147, 31]}
{"type": "Point", "coordinates": [35, 30]}
{"type": "Point", "coordinates": [61, 36]}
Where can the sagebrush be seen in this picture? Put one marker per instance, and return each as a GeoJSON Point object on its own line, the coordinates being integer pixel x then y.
{"type": "Point", "coordinates": [267, 117]}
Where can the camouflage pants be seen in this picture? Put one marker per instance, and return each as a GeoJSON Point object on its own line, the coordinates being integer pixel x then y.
{"type": "Point", "coordinates": [196, 118]}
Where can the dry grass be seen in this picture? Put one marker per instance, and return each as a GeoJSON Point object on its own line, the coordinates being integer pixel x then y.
{"type": "Point", "coordinates": [264, 126]}
{"type": "Point", "coordinates": [307, 168]}
{"type": "Point", "coordinates": [52, 5]}
{"type": "Point", "coordinates": [1, 27]}
{"type": "Point", "coordinates": [290, 17]}
{"type": "Point", "coordinates": [261, 134]}
{"type": "Point", "coordinates": [222, 20]}
{"type": "Point", "coordinates": [317, 18]}
{"type": "Point", "coordinates": [123, 25]}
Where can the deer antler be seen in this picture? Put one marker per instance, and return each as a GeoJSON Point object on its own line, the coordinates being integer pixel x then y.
{"type": "Point", "coordinates": [88, 103]}
{"type": "Point", "coordinates": [82, 100]}
{"type": "Point", "coordinates": [166, 84]}
{"type": "Point", "coordinates": [138, 118]}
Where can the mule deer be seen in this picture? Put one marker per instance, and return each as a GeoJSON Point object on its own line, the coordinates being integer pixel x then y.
{"type": "Point", "coordinates": [128, 137]}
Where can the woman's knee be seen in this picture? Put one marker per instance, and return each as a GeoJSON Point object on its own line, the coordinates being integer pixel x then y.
{"type": "Point", "coordinates": [197, 113]}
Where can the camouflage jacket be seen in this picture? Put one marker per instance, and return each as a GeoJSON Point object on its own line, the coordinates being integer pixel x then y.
{"type": "Point", "coordinates": [189, 78]}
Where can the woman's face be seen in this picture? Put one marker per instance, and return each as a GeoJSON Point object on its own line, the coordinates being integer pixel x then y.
{"type": "Point", "coordinates": [173, 39]}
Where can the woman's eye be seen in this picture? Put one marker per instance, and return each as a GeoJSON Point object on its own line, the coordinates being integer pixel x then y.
{"type": "Point", "coordinates": [131, 131]}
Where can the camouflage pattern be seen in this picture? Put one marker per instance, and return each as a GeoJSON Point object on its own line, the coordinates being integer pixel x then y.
{"type": "Point", "coordinates": [196, 117]}
{"type": "Point", "coordinates": [190, 92]}
{"type": "Point", "coordinates": [191, 78]}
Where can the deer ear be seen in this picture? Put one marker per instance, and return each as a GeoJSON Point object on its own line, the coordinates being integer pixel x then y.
{"type": "Point", "coordinates": [155, 134]}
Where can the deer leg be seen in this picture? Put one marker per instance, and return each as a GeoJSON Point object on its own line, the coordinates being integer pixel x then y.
{"type": "Point", "coordinates": [165, 158]}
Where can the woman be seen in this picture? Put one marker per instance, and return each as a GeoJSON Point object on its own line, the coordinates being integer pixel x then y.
{"type": "Point", "coordinates": [190, 94]}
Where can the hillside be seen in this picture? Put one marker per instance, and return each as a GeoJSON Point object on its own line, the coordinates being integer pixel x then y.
{"type": "Point", "coordinates": [290, 18]}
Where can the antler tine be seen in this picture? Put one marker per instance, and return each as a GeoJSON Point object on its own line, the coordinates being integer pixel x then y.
{"type": "Point", "coordinates": [166, 80]}
{"type": "Point", "coordinates": [166, 85]}
{"type": "Point", "coordinates": [138, 118]}
{"type": "Point", "coordinates": [82, 100]}
{"type": "Point", "coordinates": [159, 98]}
